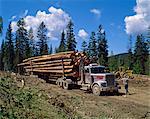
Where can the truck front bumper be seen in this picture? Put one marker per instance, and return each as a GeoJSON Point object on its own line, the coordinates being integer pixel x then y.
{"type": "Point", "coordinates": [109, 89]}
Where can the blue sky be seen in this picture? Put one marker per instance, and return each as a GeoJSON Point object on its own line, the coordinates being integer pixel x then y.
{"type": "Point", "coordinates": [112, 16]}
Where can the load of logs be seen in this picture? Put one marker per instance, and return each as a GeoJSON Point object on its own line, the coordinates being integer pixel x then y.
{"type": "Point", "coordinates": [64, 63]}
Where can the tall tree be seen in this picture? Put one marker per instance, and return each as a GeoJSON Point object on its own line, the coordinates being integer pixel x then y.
{"type": "Point", "coordinates": [62, 46]}
{"type": "Point", "coordinates": [148, 39]}
{"type": "Point", "coordinates": [140, 55]}
{"type": "Point", "coordinates": [1, 25]}
{"type": "Point", "coordinates": [2, 51]}
{"type": "Point", "coordinates": [84, 46]}
{"type": "Point", "coordinates": [9, 49]}
{"type": "Point", "coordinates": [51, 49]}
{"type": "Point", "coordinates": [148, 45]}
{"type": "Point", "coordinates": [92, 48]}
{"type": "Point", "coordinates": [102, 47]}
{"type": "Point", "coordinates": [56, 50]}
{"type": "Point", "coordinates": [130, 55]}
{"type": "Point", "coordinates": [22, 43]}
{"type": "Point", "coordinates": [42, 43]}
{"type": "Point", "coordinates": [71, 42]}
{"type": "Point", "coordinates": [32, 42]}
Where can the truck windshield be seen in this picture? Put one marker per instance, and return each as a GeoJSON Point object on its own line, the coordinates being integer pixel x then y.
{"type": "Point", "coordinates": [98, 70]}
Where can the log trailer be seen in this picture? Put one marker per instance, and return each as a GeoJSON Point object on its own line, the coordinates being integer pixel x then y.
{"type": "Point", "coordinates": [69, 69]}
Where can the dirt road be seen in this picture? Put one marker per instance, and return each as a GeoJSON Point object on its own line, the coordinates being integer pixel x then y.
{"type": "Point", "coordinates": [86, 105]}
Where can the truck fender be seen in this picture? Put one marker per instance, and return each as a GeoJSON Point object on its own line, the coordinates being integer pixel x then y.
{"type": "Point", "coordinates": [98, 83]}
{"type": "Point", "coordinates": [95, 84]}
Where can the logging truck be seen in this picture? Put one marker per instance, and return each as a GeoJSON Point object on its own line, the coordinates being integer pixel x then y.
{"type": "Point", "coordinates": [71, 69]}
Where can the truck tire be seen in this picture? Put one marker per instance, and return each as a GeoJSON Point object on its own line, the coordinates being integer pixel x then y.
{"type": "Point", "coordinates": [65, 85]}
{"type": "Point", "coordinates": [96, 90]}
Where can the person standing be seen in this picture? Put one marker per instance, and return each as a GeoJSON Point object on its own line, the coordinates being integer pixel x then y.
{"type": "Point", "coordinates": [126, 86]}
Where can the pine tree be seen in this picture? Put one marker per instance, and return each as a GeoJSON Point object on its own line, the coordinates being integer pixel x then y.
{"type": "Point", "coordinates": [51, 49]}
{"type": "Point", "coordinates": [140, 55]}
{"type": "Point", "coordinates": [21, 44]}
{"type": "Point", "coordinates": [56, 50]}
{"type": "Point", "coordinates": [148, 45]}
{"type": "Point", "coordinates": [102, 47]}
{"type": "Point", "coordinates": [32, 42]}
{"type": "Point", "coordinates": [130, 55]}
{"type": "Point", "coordinates": [92, 48]}
{"type": "Point", "coordinates": [84, 46]}
{"type": "Point", "coordinates": [71, 42]}
{"type": "Point", "coordinates": [2, 51]}
{"type": "Point", "coordinates": [36, 51]}
{"type": "Point", "coordinates": [9, 49]}
{"type": "Point", "coordinates": [1, 25]}
{"type": "Point", "coordinates": [62, 46]}
{"type": "Point", "coordinates": [42, 43]}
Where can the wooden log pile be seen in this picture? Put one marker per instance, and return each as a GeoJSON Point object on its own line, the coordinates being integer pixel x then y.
{"type": "Point", "coordinates": [64, 63]}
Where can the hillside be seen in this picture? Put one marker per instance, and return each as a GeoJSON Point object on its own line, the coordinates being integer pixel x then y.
{"type": "Point", "coordinates": [121, 59]}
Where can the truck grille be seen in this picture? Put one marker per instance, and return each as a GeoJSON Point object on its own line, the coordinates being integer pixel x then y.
{"type": "Point", "coordinates": [110, 80]}
{"type": "Point", "coordinates": [103, 84]}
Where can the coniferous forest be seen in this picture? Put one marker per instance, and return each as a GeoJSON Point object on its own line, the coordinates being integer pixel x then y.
{"type": "Point", "coordinates": [23, 44]}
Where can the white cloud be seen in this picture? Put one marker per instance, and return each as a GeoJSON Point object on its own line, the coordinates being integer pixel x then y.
{"type": "Point", "coordinates": [139, 22]}
{"type": "Point", "coordinates": [97, 12]}
{"type": "Point", "coordinates": [14, 26]}
{"type": "Point", "coordinates": [56, 21]}
{"type": "Point", "coordinates": [82, 34]}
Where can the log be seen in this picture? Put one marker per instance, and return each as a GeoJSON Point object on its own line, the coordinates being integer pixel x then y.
{"type": "Point", "coordinates": [45, 62]}
{"type": "Point", "coordinates": [23, 64]}
{"type": "Point", "coordinates": [52, 65]}
{"type": "Point", "coordinates": [48, 65]}
{"type": "Point", "coordinates": [52, 55]}
{"type": "Point", "coordinates": [49, 71]}
{"type": "Point", "coordinates": [52, 62]}
{"type": "Point", "coordinates": [51, 68]}
{"type": "Point", "coordinates": [55, 57]}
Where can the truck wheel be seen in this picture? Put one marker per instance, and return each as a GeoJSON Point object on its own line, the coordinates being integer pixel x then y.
{"type": "Point", "coordinates": [96, 90]}
{"type": "Point", "coordinates": [65, 85]}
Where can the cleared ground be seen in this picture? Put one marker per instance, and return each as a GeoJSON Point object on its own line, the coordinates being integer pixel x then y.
{"type": "Point", "coordinates": [81, 104]}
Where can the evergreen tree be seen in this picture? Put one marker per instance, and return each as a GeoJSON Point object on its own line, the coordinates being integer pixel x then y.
{"type": "Point", "coordinates": [42, 43]}
{"type": "Point", "coordinates": [140, 55]}
{"type": "Point", "coordinates": [102, 47]}
{"type": "Point", "coordinates": [62, 46]}
{"type": "Point", "coordinates": [36, 51]}
{"type": "Point", "coordinates": [130, 55]}
{"type": "Point", "coordinates": [21, 43]}
{"type": "Point", "coordinates": [32, 42]}
{"type": "Point", "coordinates": [2, 51]}
{"type": "Point", "coordinates": [56, 50]}
{"type": "Point", "coordinates": [148, 45]}
{"type": "Point", "coordinates": [92, 48]}
{"type": "Point", "coordinates": [148, 39]}
{"type": "Point", "coordinates": [1, 25]}
{"type": "Point", "coordinates": [84, 46]}
{"type": "Point", "coordinates": [9, 49]}
{"type": "Point", "coordinates": [71, 42]}
{"type": "Point", "coordinates": [51, 49]}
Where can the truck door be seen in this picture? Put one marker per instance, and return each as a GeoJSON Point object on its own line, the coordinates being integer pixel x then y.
{"type": "Point", "coordinates": [87, 76]}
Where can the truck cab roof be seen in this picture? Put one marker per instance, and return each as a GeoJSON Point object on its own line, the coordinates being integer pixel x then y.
{"type": "Point", "coordinates": [94, 65]}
